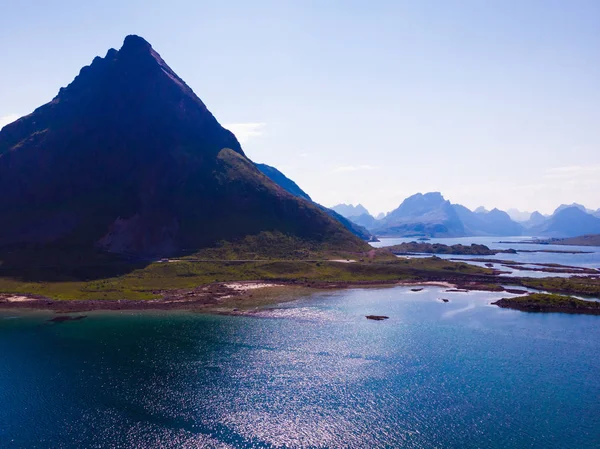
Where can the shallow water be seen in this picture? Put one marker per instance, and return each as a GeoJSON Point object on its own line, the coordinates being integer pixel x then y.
{"type": "Point", "coordinates": [311, 373]}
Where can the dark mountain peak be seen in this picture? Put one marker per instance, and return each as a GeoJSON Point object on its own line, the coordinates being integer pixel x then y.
{"type": "Point", "coordinates": [128, 93]}
{"type": "Point", "coordinates": [135, 43]}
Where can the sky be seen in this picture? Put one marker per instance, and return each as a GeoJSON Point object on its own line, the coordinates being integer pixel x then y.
{"type": "Point", "coordinates": [494, 103]}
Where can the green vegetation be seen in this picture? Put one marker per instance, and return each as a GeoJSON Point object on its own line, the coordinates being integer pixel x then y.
{"type": "Point", "coordinates": [439, 248]}
{"type": "Point", "coordinates": [147, 282]}
{"type": "Point", "coordinates": [574, 285]}
{"type": "Point", "coordinates": [545, 302]}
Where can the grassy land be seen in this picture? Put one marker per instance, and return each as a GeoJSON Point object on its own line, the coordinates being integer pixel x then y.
{"type": "Point", "coordinates": [573, 285]}
{"type": "Point", "coordinates": [147, 282]}
{"type": "Point", "coordinates": [440, 248]}
{"type": "Point", "coordinates": [71, 274]}
{"type": "Point", "coordinates": [545, 302]}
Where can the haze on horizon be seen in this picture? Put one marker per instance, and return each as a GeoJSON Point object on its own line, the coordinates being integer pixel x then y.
{"type": "Point", "coordinates": [491, 103]}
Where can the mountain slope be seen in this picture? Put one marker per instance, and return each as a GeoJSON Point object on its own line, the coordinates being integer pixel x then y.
{"type": "Point", "coordinates": [291, 187]}
{"type": "Point", "coordinates": [128, 159]}
{"type": "Point", "coordinates": [283, 181]}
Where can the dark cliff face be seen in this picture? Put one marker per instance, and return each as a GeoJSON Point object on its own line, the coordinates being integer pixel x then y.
{"type": "Point", "coordinates": [129, 159]}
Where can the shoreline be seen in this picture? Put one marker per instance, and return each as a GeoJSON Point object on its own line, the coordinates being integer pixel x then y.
{"type": "Point", "coordinates": [226, 297]}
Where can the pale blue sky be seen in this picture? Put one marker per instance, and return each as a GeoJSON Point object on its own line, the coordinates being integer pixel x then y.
{"type": "Point", "coordinates": [493, 103]}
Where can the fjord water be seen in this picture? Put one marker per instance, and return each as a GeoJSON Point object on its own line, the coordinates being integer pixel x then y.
{"type": "Point", "coordinates": [585, 256]}
{"type": "Point", "coordinates": [309, 373]}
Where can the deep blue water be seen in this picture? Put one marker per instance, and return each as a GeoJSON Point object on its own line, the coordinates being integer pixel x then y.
{"type": "Point", "coordinates": [311, 373]}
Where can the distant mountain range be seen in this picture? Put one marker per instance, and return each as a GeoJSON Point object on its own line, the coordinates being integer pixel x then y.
{"type": "Point", "coordinates": [348, 210]}
{"type": "Point", "coordinates": [431, 215]}
{"type": "Point", "coordinates": [128, 159]}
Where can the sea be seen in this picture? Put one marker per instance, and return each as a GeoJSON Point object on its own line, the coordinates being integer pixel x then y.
{"type": "Point", "coordinates": [581, 256]}
{"type": "Point", "coordinates": [309, 373]}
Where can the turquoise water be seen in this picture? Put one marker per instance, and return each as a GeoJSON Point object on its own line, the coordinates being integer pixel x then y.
{"type": "Point", "coordinates": [312, 373]}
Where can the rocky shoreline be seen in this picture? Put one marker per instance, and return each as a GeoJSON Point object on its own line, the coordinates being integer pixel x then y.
{"type": "Point", "coordinates": [226, 297]}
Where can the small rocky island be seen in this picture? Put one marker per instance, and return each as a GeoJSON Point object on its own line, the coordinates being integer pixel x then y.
{"type": "Point", "coordinates": [546, 302]}
{"type": "Point", "coordinates": [440, 248]}
{"type": "Point", "coordinates": [377, 317]}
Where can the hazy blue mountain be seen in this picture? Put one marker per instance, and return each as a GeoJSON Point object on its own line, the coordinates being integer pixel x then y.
{"type": "Point", "coordinates": [494, 222]}
{"type": "Point", "coordinates": [536, 219]}
{"type": "Point", "coordinates": [348, 210]}
{"type": "Point", "coordinates": [597, 213]}
{"type": "Point", "coordinates": [568, 222]}
{"type": "Point", "coordinates": [290, 186]}
{"type": "Point", "coordinates": [422, 214]}
{"type": "Point", "coordinates": [518, 216]}
{"type": "Point", "coordinates": [577, 205]}
{"type": "Point", "coordinates": [128, 159]}
{"type": "Point", "coordinates": [481, 210]}
{"type": "Point", "coordinates": [382, 215]}
{"type": "Point", "coordinates": [365, 220]}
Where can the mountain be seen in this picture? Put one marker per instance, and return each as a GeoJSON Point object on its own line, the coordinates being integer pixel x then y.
{"type": "Point", "coordinates": [365, 220]}
{"type": "Point", "coordinates": [578, 206]}
{"type": "Point", "coordinates": [481, 210]}
{"type": "Point", "coordinates": [422, 215]}
{"type": "Point", "coordinates": [536, 219]}
{"type": "Point", "coordinates": [568, 222]}
{"type": "Point", "coordinates": [494, 222]}
{"type": "Point", "coordinates": [291, 187]}
{"type": "Point", "coordinates": [517, 215]}
{"type": "Point", "coordinates": [128, 159]}
{"type": "Point", "coordinates": [597, 213]}
{"type": "Point", "coordinates": [348, 210]}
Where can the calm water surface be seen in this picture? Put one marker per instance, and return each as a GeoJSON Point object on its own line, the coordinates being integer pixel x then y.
{"type": "Point", "coordinates": [591, 258]}
{"type": "Point", "coordinates": [311, 373]}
